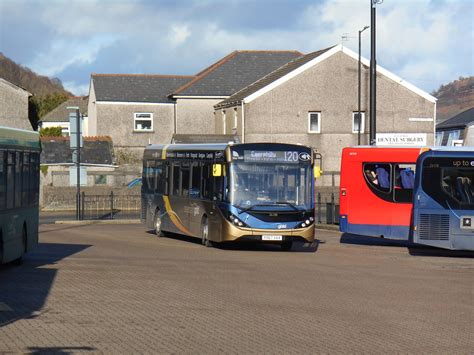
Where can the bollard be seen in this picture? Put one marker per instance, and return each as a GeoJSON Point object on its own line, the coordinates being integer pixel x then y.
{"type": "Point", "coordinates": [82, 205]}
{"type": "Point", "coordinates": [111, 205]}
{"type": "Point", "coordinates": [319, 207]}
{"type": "Point", "coordinates": [333, 209]}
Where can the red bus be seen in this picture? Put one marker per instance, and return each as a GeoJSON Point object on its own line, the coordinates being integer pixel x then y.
{"type": "Point", "coordinates": [376, 191]}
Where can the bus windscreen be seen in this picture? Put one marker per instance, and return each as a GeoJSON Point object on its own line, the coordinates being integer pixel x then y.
{"type": "Point", "coordinates": [449, 182]}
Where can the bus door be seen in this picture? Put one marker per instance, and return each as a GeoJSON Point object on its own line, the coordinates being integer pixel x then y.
{"type": "Point", "coordinates": [402, 213]}
{"type": "Point", "coordinates": [178, 221]}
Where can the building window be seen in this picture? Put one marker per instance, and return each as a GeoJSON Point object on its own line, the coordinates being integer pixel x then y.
{"type": "Point", "coordinates": [223, 123]}
{"type": "Point", "coordinates": [314, 122]}
{"type": "Point", "coordinates": [355, 122]}
{"type": "Point", "coordinates": [143, 122]}
{"type": "Point", "coordinates": [439, 138]}
{"type": "Point", "coordinates": [100, 179]}
{"type": "Point", "coordinates": [453, 136]}
{"type": "Point", "coordinates": [234, 129]}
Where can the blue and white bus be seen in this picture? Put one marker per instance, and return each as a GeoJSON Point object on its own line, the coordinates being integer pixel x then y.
{"type": "Point", "coordinates": [261, 192]}
{"type": "Point", "coordinates": [19, 192]}
{"type": "Point", "coordinates": [443, 206]}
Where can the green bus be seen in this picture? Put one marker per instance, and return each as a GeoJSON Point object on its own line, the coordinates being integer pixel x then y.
{"type": "Point", "coordinates": [19, 192]}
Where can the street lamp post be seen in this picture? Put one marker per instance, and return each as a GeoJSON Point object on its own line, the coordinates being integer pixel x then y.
{"type": "Point", "coordinates": [359, 118]}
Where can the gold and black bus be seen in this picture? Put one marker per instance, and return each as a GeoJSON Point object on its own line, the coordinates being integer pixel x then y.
{"type": "Point", "coordinates": [261, 192]}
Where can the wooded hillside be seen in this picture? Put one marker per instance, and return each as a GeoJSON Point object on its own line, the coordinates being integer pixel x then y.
{"type": "Point", "coordinates": [453, 98]}
{"type": "Point", "coordinates": [27, 79]}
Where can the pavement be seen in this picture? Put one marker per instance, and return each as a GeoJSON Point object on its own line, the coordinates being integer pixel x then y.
{"type": "Point", "coordinates": [90, 288]}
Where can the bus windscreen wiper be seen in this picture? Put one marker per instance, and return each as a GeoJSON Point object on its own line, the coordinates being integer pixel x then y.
{"type": "Point", "coordinates": [256, 205]}
{"type": "Point", "coordinates": [289, 204]}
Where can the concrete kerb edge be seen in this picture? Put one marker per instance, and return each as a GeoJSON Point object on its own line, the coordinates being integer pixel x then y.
{"type": "Point", "coordinates": [104, 221]}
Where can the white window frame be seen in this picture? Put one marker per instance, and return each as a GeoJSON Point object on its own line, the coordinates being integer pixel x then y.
{"type": "Point", "coordinates": [362, 125]}
{"type": "Point", "coordinates": [318, 113]}
{"type": "Point", "coordinates": [223, 122]}
{"type": "Point", "coordinates": [135, 119]}
{"type": "Point", "coordinates": [235, 120]}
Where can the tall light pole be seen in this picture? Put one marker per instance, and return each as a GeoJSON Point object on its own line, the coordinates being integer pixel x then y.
{"type": "Point", "coordinates": [373, 73]}
{"type": "Point", "coordinates": [359, 118]}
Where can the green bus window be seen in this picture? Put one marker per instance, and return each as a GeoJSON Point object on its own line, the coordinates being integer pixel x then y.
{"type": "Point", "coordinates": [25, 176]}
{"type": "Point", "coordinates": [10, 188]}
{"type": "Point", "coordinates": [18, 165]}
{"type": "Point", "coordinates": [2, 180]}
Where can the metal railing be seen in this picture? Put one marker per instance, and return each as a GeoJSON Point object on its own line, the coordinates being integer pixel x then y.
{"type": "Point", "coordinates": [327, 209]}
{"type": "Point", "coordinates": [110, 206]}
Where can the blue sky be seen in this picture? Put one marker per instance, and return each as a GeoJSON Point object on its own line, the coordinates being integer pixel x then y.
{"type": "Point", "coordinates": [425, 42]}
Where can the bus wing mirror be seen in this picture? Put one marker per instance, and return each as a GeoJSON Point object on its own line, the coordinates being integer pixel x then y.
{"type": "Point", "coordinates": [216, 169]}
{"type": "Point", "coordinates": [317, 172]}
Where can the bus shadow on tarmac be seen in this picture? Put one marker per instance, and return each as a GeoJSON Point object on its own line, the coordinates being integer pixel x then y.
{"type": "Point", "coordinates": [413, 249]}
{"type": "Point", "coordinates": [298, 246]}
{"type": "Point", "coordinates": [25, 288]}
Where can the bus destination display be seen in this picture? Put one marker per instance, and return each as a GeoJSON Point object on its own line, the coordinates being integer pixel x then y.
{"type": "Point", "coordinates": [271, 156]}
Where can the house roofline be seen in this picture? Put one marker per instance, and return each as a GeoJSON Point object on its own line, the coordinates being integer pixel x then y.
{"type": "Point", "coordinates": [144, 75]}
{"type": "Point", "coordinates": [17, 87]}
{"type": "Point", "coordinates": [203, 73]}
{"type": "Point", "coordinates": [336, 49]}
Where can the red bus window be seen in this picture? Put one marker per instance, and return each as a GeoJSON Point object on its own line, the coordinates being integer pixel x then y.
{"type": "Point", "coordinates": [378, 176]}
{"type": "Point", "coordinates": [404, 182]}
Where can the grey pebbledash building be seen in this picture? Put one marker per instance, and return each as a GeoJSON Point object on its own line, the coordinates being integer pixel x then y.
{"type": "Point", "coordinates": [195, 99]}
{"type": "Point", "coordinates": [134, 110]}
{"type": "Point", "coordinates": [14, 106]}
{"type": "Point", "coordinates": [312, 100]}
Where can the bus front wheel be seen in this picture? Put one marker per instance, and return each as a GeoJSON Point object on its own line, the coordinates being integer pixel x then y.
{"type": "Point", "coordinates": [205, 233]}
{"type": "Point", "coordinates": [157, 224]}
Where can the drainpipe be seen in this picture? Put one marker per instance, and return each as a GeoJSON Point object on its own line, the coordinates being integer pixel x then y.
{"type": "Point", "coordinates": [176, 117]}
{"type": "Point", "coordinates": [243, 121]}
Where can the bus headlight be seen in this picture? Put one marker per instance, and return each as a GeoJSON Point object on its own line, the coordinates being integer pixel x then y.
{"type": "Point", "coordinates": [236, 221]}
{"type": "Point", "coordinates": [307, 222]}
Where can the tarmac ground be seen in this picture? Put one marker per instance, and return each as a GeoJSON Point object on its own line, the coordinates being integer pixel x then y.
{"type": "Point", "coordinates": [111, 288]}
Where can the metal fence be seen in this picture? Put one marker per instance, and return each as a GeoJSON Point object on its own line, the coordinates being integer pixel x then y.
{"type": "Point", "coordinates": [110, 206]}
{"type": "Point", "coordinates": [327, 209]}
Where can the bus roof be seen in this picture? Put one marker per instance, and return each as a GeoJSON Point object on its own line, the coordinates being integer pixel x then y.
{"type": "Point", "coordinates": [180, 147]}
{"type": "Point", "coordinates": [382, 154]}
{"type": "Point", "coordinates": [212, 146]}
{"type": "Point", "coordinates": [15, 137]}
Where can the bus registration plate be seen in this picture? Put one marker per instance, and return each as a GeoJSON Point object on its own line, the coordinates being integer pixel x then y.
{"type": "Point", "coordinates": [272, 237]}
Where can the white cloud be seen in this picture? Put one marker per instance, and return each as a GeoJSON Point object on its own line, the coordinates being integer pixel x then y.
{"type": "Point", "coordinates": [76, 88]}
{"type": "Point", "coordinates": [178, 34]}
{"type": "Point", "coordinates": [63, 54]}
{"type": "Point", "coordinates": [182, 38]}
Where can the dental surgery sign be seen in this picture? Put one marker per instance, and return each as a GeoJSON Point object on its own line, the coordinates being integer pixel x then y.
{"type": "Point", "coordinates": [401, 139]}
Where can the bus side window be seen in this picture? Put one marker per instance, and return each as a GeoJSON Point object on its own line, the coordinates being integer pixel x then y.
{"type": "Point", "coordinates": [35, 161]}
{"type": "Point", "coordinates": [206, 181]}
{"type": "Point", "coordinates": [175, 177]}
{"type": "Point", "coordinates": [404, 182]}
{"type": "Point", "coordinates": [25, 177]}
{"type": "Point", "coordinates": [2, 179]}
{"type": "Point", "coordinates": [159, 177]}
{"type": "Point", "coordinates": [18, 164]}
{"type": "Point", "coordinates": [195, 191]}
{"type": "Point", "coordinates": [378, 176]}
{"type": "Point", "coordinates": [10, 188]}
{"type": "Point", "coordinates": [185, 179]}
